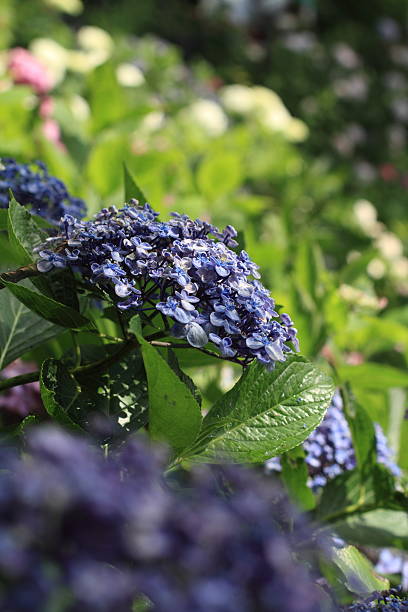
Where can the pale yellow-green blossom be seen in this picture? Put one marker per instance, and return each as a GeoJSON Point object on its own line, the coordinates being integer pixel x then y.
{"type": "Point", "coordinates": [72, 7]}
{"type": "Point", "coordinates": [266, 106]}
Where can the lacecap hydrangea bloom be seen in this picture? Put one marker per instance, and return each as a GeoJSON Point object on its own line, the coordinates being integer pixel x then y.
{"type": "Point", "coordinates": [329, 449]}
{"type": "Point", "coordinates": [182, 268]}
{"type": "Point", "coordinates": [34, 187]}
{"type": "Point", "coordinates": [92, 533]}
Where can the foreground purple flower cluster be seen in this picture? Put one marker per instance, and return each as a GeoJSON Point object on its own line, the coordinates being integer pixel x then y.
{"type": "Point", "coordinates": [210, 292]}
{"type": "Point", "coordinates": [329, 449]}
{"type": "Point", "coordinates": [90, 533]}
{"type": "Point", "coordinates": [33, 186]}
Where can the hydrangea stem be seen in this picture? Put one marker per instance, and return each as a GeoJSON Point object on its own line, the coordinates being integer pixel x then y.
{"type": "Point", "coordinates": [92, 368]}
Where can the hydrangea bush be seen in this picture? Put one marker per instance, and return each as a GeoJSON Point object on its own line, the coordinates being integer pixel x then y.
{"type": "Point", "coordinates": [143, 299]}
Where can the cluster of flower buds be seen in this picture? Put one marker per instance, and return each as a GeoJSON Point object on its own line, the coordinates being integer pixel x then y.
{"type": "Point", "coordinates": [33, 186]}
{"type": "Point", "coordinates": [98, 532]}
{"type": "Point", "coordinates": [208, 291]}
{"type": "Point", "coordinates": [329, 449]}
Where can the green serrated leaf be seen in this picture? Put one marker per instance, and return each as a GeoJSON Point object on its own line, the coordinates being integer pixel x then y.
{"type": "Point", "coordinates": [241, 241]}
{"type": "Point", "coordinates": [21, 330]}
{"type": "Point", "coordinates": [132, 190]}
{"type": "Point", "coordinates": [59, 392]}
{"type": "Point", "coordinates": [354, 492]}
{"type": "Point", "coordinates": [174, 414]}
{"type": "Point", "coordinates": [265, 413]}
{"type": "Point", "coordinates": [381, 528]}
{"type": "Point", "coordinates": [358, 573]}
{"type": "Point", "coordinates": [3, 218]}
{"type": "Point", "coordinates": [174, 364]}
{"type": "Point", "coordinates": [119, 392]}
{"type": "Point", "coordinates": [47, 308]}
{"type": "Point", "coordinates": [24, 232]}
{"type": "Point", "coordinates": [362, 431]}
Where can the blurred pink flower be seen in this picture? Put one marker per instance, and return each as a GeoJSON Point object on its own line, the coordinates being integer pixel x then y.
{"type": "Point", "coordinates": [388, 172]}
{"type": "Point", "coordinates": [25, 69]}
{"type": "Point", "coordinates": [46, 107]}
{"type": "Point", "coordinates": [354, 358]}
{"type": "Point", "coordinates": [52, 132]}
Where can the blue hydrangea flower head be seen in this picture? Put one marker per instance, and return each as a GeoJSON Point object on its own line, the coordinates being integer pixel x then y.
{"type": "Point", "coordinates": [35, 188]}
{"type": "Point", "coordinates": [329, 449]}
{"type": "Point", "coordinates": [184, 269]}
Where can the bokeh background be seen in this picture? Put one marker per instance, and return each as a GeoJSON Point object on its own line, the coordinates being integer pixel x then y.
{"type": "Point", "coordinates": [287, 120]}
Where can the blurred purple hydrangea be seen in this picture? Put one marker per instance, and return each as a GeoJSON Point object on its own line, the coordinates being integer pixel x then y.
{"type": "Point", "coordinates": [329, 449]}
{"type": "Point", "coordinates": [95, 532]}
{"type": "Point", "coordinates": [34, 187]}
{"type": "Point", "coordinates": [394, 600]}
{"type": "Point", "coordinates": [18, 402]}
{"type": "Point", "coordinates": [393, 562]}
{"type": "Point", "coordinates": [186, 270]}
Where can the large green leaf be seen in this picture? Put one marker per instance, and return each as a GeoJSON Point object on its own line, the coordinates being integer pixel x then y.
{"type": "Point", "coordinates": [358, 572]}
{"type": "Point", "coordinates": [174, 414]}
{"type": "Point", "coordinates": [21, 329]}
{"type": "Point", "coordinates": [3, 218]}
{"type": "Point", "coordinates": [382, 527]}
{"type": "Point", "coordinates": [374, 376]}
{"type": "Point", "coordinates": [59, 391]}
{"type": "Point", "coordinates": [355, 491]}
{"type": "Point", "coordinates": [47, 308]}
{"type": "Point", "coordinates": [24, 233]}
{"type": "Point", "coordinates": [119, 392]}
{"type": "Point", "coordinates": [362, 431]}
{"type": "Point", "coordinates": [265, 413]}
